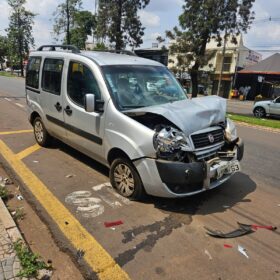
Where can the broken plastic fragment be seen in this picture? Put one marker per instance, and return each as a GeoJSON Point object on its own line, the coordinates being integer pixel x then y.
{"type": "Point", "coordinates": [235, 233]}
{"type": "Point", "coordinates": [70, 175]}
{"type": "Point", "coordinates": [228, 246]}
{"type": "Point", "coordinates": [112, 224]}
{"type": "Point", "coordinates": [243, 251]}
{"type": "Point", "coordinates": [208, 254]}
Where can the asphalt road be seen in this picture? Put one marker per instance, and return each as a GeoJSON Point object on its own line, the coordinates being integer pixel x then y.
{"type": "Point", "coordinates": [161, 238]}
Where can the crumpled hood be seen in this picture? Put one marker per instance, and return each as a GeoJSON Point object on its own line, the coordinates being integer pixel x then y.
{"type": "Point", "coordinates": [191, 115]}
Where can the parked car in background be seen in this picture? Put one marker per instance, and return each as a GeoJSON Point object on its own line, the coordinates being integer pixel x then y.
{"type": "Point", "coordinates": [267, 108]}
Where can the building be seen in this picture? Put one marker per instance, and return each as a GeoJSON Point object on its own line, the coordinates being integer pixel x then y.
{"type": "Point", "coordinates": [262, 78]}
{"type": "Point", "coordinates": [237, 57]}
{"type": "Point", "coordinates": [154, 53]}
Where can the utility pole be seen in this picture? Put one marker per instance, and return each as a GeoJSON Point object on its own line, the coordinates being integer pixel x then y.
{"type": "Point", "coordinates": [223, 58]}
{"type": "Point", "coordinates": [68, 23]}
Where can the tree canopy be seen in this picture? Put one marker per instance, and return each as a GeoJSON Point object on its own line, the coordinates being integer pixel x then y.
{"type": "Point", "coordinates": [84, 23]}
{"type": "Point", "coordinates": [118, 20]}
{"type": "Point", "coordinates": [64, 18]}
{"type": "Point", "coordinates": [19, 32]}
{"type": "Point", "coordinates": [203, 20]}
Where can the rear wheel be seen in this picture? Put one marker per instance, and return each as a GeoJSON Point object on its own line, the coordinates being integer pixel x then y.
{"type": "Point", "coordinates": [125, 179]}
{"type": "Point", "coordinates": [259, 112]}
{"type": "Point", "coordinates": [42, 137]}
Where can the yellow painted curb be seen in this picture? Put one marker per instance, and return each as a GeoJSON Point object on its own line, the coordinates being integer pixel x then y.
{"type": "Point", "coordinates": [95, 255]}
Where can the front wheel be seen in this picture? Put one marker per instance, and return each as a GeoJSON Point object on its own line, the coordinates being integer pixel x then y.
{"type": "Point", "coordinates": [259, 112]}
{"type": "Point", "coordinates": [42, 136]}
{"type": "Point", "coordinates": [125, 179]}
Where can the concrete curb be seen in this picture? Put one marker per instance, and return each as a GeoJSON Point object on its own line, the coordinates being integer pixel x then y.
{"type": "Point", "coordinates": [258, 127]}
{"type": "Point", "coordinates": [9, 223]}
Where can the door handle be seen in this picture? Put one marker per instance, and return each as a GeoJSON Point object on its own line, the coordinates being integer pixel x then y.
{"type": "Point", "coordinates": [68, 110]}
{"type": "Point", "coordinates": [58, 107]}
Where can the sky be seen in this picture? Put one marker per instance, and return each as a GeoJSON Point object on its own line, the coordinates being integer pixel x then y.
{"type": "Point", "coordinates": [158, 16]}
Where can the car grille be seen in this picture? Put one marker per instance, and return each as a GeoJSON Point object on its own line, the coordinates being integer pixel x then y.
{"type": "Point", "coordinates": [202, 140]}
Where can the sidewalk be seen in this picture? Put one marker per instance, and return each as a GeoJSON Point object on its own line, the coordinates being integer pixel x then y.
{"type": "Point", "coordinates": [9, 233]}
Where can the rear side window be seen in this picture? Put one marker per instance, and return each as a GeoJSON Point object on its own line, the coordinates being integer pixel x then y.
{"type": "Point", "coordinates": [33, 70]}
{"type": "Point", "coordinates": [80, 82]}
{"type": "Point", "coordinates": [52, 73]}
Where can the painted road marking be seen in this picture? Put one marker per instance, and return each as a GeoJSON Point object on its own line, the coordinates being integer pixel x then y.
{"type": "Point", "coordinates": [15, 132]}
{"type": "Point", "coordinates": [95, 255]}
{"type": "Point", "coordinates": [92, 206]}
{"type": "Point", "coordinates": [28, 151]}
{"type": "Point", "coordinates": [20, 105]}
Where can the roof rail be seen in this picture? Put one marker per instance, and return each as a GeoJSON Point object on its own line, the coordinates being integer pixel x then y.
{"type": "Point", "coordinates": [72, 48]}
{"type": "Point", "coordinates": [118, 51]}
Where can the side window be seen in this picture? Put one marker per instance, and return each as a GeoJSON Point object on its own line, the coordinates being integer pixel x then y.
{"type": "Point", "coordinates": [80, 82]}
{"type": "Point", "coordinates": [52, 73]}
{"type": "Point", "coordinates": [33, 70]}
{"type": "Point", "coordinates": [277, 100]}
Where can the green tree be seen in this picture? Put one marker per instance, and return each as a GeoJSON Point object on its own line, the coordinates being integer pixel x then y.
{"type": "Point", "coordinates": [84, 23]}
{"type": "Point", "coordinates": [19, 32]}
{"type": "Point", "coordinates": [64, 18]}
{"type": "Point", "coordinates": [203, 20]}
{"type": "Point", "coordinates": [4, 50]}
{"type": "Point", "coordinates": [119, 22]}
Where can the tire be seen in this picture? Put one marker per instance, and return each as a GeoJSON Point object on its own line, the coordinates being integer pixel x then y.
{"type": "Point", "coordinates": [126, 180]}
{"type": "Point", "coordinates": [42, 136]}
{"type": "Point", "coordinates": [259, 112]}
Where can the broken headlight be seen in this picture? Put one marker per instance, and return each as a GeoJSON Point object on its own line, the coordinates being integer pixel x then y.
{"type": "Point", "coordinates": [230, 131]}
{"type": "Point", "coordinates": [170, 142]}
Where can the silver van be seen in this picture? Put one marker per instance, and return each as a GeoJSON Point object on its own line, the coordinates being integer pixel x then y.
{"type": "Point", "coordinates": [132, 115]}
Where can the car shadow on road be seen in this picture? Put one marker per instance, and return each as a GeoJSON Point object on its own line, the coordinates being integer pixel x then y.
{"type": "Point", "coordinates": [95, 165]}
{"type": "Point", "coordinates": [216, 200]}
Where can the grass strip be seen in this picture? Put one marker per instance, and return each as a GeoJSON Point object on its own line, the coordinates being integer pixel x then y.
{"type": "Point", "coordinates": [255, 121]}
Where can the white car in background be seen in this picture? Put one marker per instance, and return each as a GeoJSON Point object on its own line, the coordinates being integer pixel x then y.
{"type": "Point", "coordinates": [266, 108]}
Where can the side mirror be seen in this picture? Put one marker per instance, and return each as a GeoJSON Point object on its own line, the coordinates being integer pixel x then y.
{"type": "Point", "coordinates": [90, 102]}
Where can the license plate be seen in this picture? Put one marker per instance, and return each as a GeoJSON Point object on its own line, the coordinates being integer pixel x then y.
{"type": "Point", "coordinates": [234, 166]}
{"type": "Point", "coordinates": [228, 168]}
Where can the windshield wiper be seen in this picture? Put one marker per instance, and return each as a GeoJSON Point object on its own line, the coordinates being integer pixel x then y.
{"type": "Point", "coordinates": [132, 106]}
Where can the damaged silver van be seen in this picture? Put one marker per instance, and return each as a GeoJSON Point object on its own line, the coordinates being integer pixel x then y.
{"type": "Point", "coordinates": [132, 115]}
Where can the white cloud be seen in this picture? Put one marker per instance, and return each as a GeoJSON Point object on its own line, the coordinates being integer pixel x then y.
{"type": "Point", "coordinates": [149, 19]}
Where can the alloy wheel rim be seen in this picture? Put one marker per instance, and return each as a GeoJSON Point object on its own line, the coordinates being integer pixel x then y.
{"type": "Point", "coordinates": [39, 132]}
{"type": "Point", "coordinates": [124, 180]}
{"type": "Point", "coordinates": [259, 113]}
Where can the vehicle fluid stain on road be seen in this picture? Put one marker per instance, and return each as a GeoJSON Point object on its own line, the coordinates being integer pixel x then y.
{"type": "Point", "coordinates": [179, 213]}
{"type": "Point", "coordinates": [155, 232]}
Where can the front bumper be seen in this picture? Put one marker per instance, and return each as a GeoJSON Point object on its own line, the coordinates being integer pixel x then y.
{"type": "Point", "coordinates": [178, 179]}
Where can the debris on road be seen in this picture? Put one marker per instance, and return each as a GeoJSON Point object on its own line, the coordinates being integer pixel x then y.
{"type": "Point", "coordinates": [228, 246]}
{"type": "Point", "coordinates": [226, 206]}
{"type": "Point", "coordinates": [232, 234]}
{"type": "Point", "coordinates": [19, 197]}
{"type": "Point", "coordinates": [243, 251]}
{"type": "Point", "coordinates": [256, 227]}
{"type": "Point", "coordinates": [70, 176]}
{"type": "Point", "coordinates": [112, 224]}
{"type": "Point", "coordinates": [208, 254]}
{"type": "Point", "coordinates": [80, 253]}
{"type": "Point", "coordinates": [35, 161]}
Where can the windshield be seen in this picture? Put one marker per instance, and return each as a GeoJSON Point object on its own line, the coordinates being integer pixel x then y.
{"type": "Point", "coordinates": [135, 86]}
